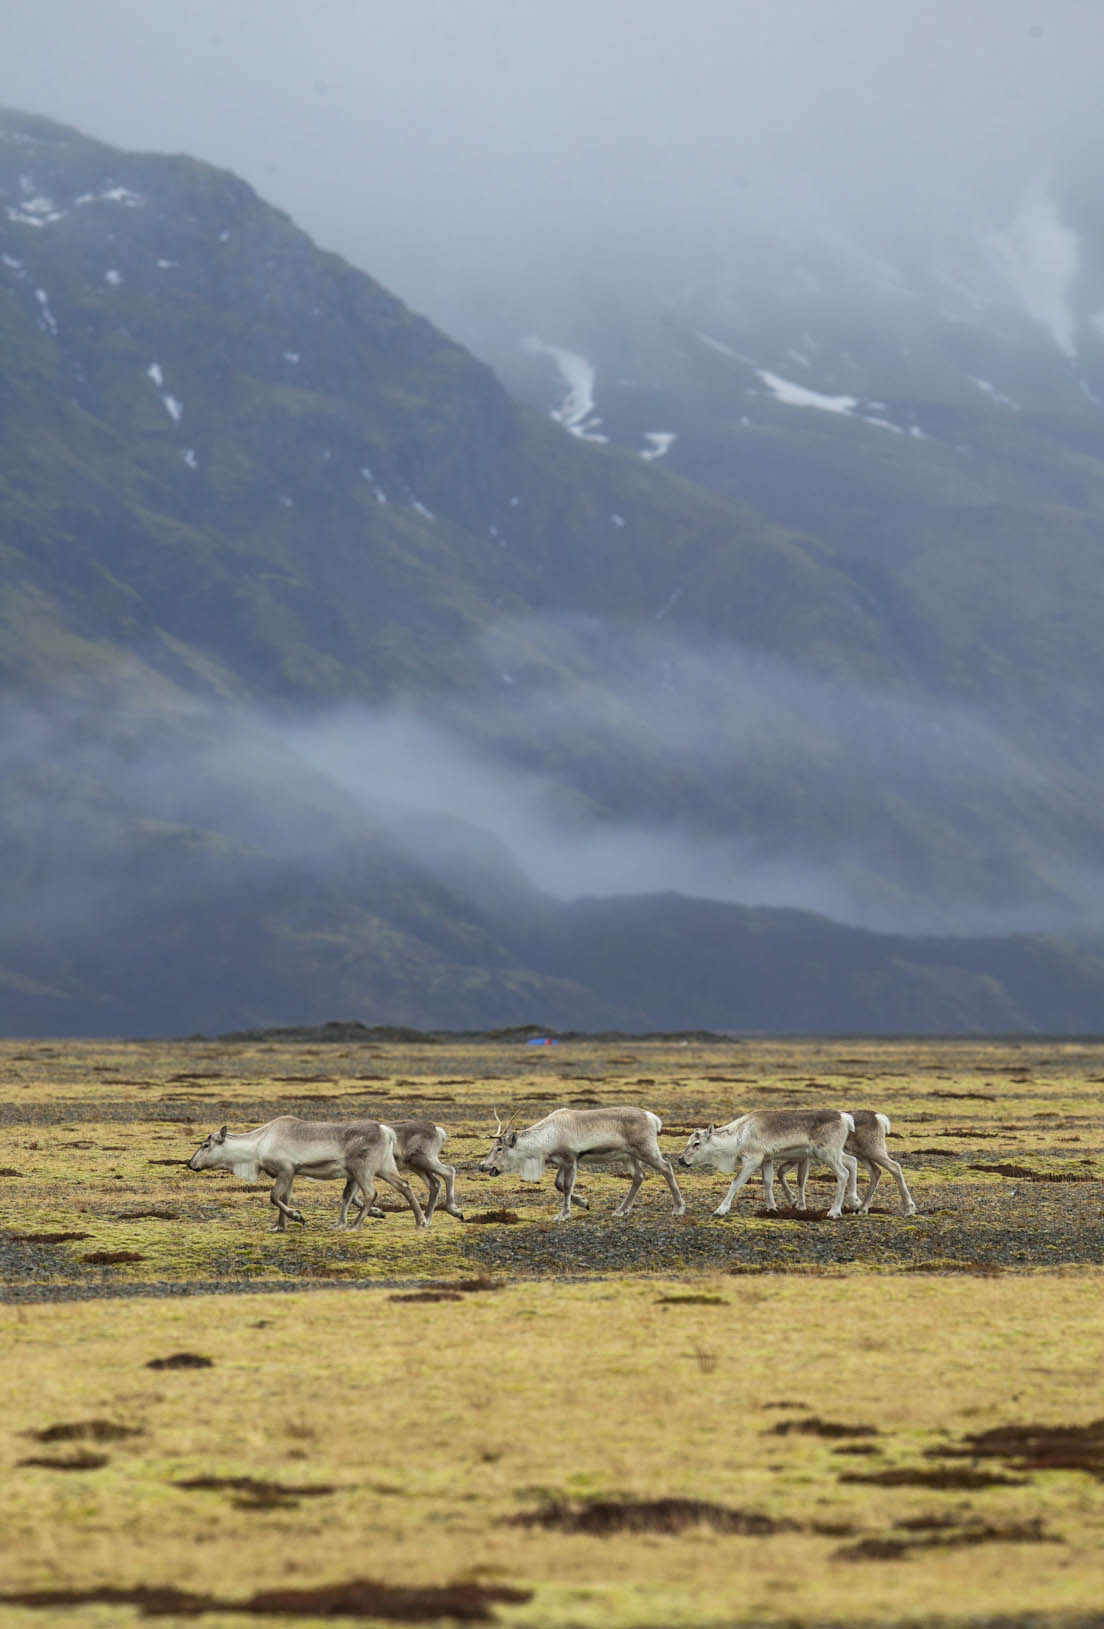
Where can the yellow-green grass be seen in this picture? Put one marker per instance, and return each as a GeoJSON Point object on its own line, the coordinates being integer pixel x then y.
{"type": "Point", "coordinates": [97, 1134]}
{"type": "Point", "coordinates": [436, 1422]}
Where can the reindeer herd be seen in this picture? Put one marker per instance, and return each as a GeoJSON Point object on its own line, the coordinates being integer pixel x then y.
{"type": "Point", "coordinates": [360, 1152]}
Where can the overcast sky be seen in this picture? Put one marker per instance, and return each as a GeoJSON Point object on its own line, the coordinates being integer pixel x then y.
{"type": "Point", "coordinates": [435, 140]}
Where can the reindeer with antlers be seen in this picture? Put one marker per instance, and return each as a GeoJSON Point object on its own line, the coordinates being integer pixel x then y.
{"type": "Point", "coordinates": [566, 1136]}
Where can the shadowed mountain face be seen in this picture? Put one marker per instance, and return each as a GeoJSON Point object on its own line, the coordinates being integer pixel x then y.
{"type": "Point", "coordinates": [334, 680]}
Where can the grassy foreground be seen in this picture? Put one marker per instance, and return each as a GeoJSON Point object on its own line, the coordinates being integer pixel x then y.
{"type": "Point", "coordinates": [344, 1435]}
{"type": "Point", "coordinates": [881, 1420]}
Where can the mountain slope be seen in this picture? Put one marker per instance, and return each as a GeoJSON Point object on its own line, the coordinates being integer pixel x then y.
{"type": "Point", "coordinates": [287, 579]}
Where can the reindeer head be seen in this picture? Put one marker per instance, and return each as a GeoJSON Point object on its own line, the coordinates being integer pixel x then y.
{"type": "Point", "coordinates": [501, 1156]}
{"type": "Point", "coordinates": [698, 1150]}
{"type": "Point", "coordinates": [207, 1154]}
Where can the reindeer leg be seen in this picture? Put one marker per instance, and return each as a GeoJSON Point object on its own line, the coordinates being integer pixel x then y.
{"type": "Point", "coordinates": [434, 1187]}
{"type": "Point", "coordinates": [367, 1203]}
{"type": "Point", "coordinates": [447, 1175]}
{"type": "Point", "coordinates": [281, 1193]}
{"type": "Point", "coordinates": [629, 1200]}
{"type": "Point", "coordinates": [766, 1171]}
{"type": "Point", "coordinates": [400, 1184]}
{"type": "Point", "coordinates": [448, 1172]}
{"type": "Point", "coordinates": [908, 1204]}
{"type": "Point", "coordinates": [802, 1182]}
{"type": "Point", "coordinates": [576, 1197]}
{"type": "Point", "coordinates": [747, 1170]}
{"type": "Point", "coordinates": [351, 1187]}
{"type": "Point", "coordinates": [568, 1170]}
{"type": "Point", "coordinates": [658, 1161]}
{"type": "Point", "coordinates": [845, 1166]}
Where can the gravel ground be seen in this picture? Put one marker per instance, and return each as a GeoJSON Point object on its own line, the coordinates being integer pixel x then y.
{"type": "Point", "coordinates": [1033, 1109]}
{"type": "Point", "coordinates": [979, 1229]}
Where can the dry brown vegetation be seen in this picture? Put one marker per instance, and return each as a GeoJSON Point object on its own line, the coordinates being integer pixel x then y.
{"type": "Point", "coordinates": [649, 1422]}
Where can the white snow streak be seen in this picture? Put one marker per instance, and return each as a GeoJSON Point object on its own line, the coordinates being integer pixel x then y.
{"type": "Point", "coordinates": [784, 390]}
{"type": "Point", "coordinates": [660, 442]}
{"type": "Point", "coordinates": [46, 316]}
{"type": "Point", "coordinates": [576, 410]}
{"type": "Point", "coordinates": [995, 395]}
{"type": "Point", "coordinates": [716, 345]}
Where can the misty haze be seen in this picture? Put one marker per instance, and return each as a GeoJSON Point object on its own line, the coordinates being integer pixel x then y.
{"type": "Point", "coordinates": [481, 483]}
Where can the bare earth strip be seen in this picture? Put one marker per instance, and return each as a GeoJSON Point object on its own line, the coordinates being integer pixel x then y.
{"type": "Point", "coordinates": [651, 1422]}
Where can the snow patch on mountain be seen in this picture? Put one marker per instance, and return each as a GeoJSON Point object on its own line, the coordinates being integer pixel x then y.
{"type": "Point", "coordinates": [793, 395]}
{"type": "Point", "coordinates": [659, 444]}
{"type": "Point", "coordinates": [719, 346]}
{"type": "Point", "coordinates": [576, 411]}
{"type": "Point", "coordinates": [38, 209]}
{"type": "Point", "coordinates": [996, 396]}
{"type": "Point", "coordinates": [46, 317]}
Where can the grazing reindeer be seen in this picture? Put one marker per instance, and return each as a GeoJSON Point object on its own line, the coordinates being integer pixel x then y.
{"type": "Point", "coordinates": [358, 1150]}
{"type": "Point", "coordinates": [867, 1143]}
{"type": "Point", "coordinates": [777, 1135]}
{"type": "Point", "coordinates": [418, 1146]}
{"type": "Point", "coordinates": [566, 1136]}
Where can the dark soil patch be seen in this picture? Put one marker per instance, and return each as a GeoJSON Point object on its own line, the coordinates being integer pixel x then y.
{"type": "Point", "coordinates": [1027, 1175]}
{"type": "Point", "coordinates": [84, 1460]}
{"type": "Point", "coordinates": [111, 1258]}
{"type": "Point", "coordinates": [143, 1215]}
{"type": "Point", "coordinates": [1037, 1447]}
{"type": "Point", "coordinates": [857, 1448]}
{"type": "Point", "coordinates": [955, 1478]}
{"type": "Point", "coordinates": [181, 1360]}
{"type": "Point", "coordinates": [9, 1170]}
{"type": "Point", "coordinates": [940, 1535]}
{"type": "Point", "coordinates": [359, 1598]}
{"type": "Point", "coordinates": [85, 1431]}
{"type": "Point", "coordinates": [166, 1162]}
{"type": "Point", "coordinates": [468, 1286]}
{"type": "Point", "coordinates": [603, 1517]}
{"type": "Point", "coordinates": [978, 1097]}
{"type": "Point", "coordinates": [504, 1216]}
{"type": "Point", "coordinates": [816, 1427]}
{"type": "Point", "coordinates": [258, 1495]}
{"type": "Point", "coordinates": [428, 1295]}
{"type": "Point", "coordinates": [691, 1301]}
{"type": "Point", "coordinates": [46, 1238]}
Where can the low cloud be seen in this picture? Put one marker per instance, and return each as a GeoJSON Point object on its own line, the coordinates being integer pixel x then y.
{"type": "Point", "coordinates": [594, 760]}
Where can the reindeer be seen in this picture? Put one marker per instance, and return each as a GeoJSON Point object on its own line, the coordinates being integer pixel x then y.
{"type": "Point", "coordinates": [776, 1135]}
{"type": "Point", "coordinates": [417, 1148]}
{"type": "Point", "coordinates": [867, 1143]}
{"type": "Point", "coordinates": [566, 1136]}
{"type": "Point", "coordinates": [357, 1150]}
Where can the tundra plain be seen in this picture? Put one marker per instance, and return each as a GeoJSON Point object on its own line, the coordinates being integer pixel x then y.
{"type": "Point", "coordinates": [648, 1422]}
